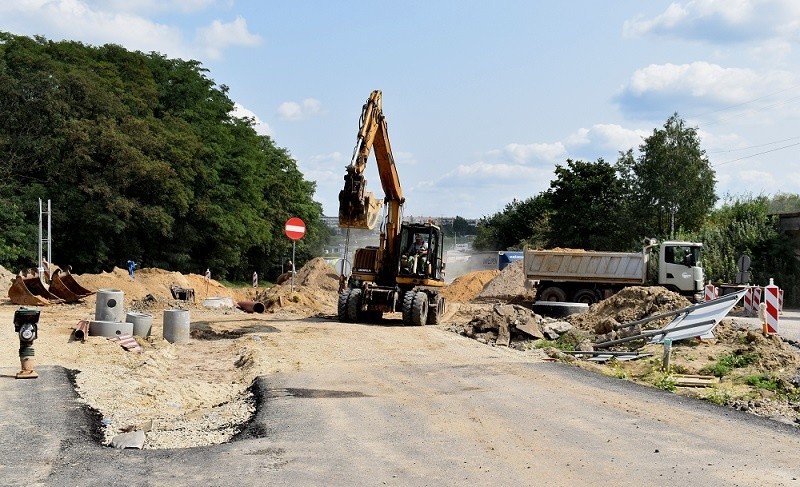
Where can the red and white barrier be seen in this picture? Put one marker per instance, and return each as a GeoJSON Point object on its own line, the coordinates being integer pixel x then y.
{"type": "Point", "coordinates": [748, 302]}
{"type": "Point", "coordinates": [757, 298]}
{"type": "Point", "coordinates": [771, 299]}
{"type": "Point", "coordinates": [711, 292]}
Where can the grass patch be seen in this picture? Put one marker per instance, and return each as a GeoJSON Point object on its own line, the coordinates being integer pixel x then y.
{"type": "Point", "coordinates": [665, 381]}
{"type": "Point", "coordinates": [728, 362]}
{"type": "Point", "coordinates": [559, 344]}
{"type": "Point", "coordinates": [762, 381]}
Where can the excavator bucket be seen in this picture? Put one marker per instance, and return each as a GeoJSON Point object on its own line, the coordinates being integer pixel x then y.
{"type": "Point", "coordinates": [65, 286]}
{"type": "Point", "coordinates": [358, 208]}
{"type": "Point", "coordinates": [20, 293]}
{"type": "Point", "coordinates": [364, 214]}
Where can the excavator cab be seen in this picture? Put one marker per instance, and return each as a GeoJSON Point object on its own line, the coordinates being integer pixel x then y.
{"type": "Point", "coordinates": [421, 251]}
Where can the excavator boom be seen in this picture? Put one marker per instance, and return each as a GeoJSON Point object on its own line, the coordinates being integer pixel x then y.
{"type": "Point", "coordinates": [359, 208]}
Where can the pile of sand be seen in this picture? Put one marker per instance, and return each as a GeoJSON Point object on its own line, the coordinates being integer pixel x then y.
{"type": "Point", "coordinates": [468, 286]}
{"type": "Point", "coordinates": [6, 277]}
{"type": "Point", "coordinates": [313, 290]}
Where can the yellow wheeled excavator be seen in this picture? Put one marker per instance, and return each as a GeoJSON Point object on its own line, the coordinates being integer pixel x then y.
{"type": "Point", "coordinates": [405, 272]}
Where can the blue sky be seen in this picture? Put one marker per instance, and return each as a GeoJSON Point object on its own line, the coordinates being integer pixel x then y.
{"type": "Point", "coordinates": [482, 99]}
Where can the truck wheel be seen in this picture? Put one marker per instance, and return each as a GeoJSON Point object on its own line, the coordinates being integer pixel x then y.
{"type": "Point", "coordinates": [552, 293]}
{"type": "Point", "coordinates": [435, 310]}
{"type": "Point", "coordinates": [354, 305]}
{"type": "Point", "coordinates": [587, 296]}
{"type": "Point", "coordinates": [419, 310]}
{"type": "Point", "coordinates": [408, 303]}
{"type": "Point", "coordinates": [341, 306]}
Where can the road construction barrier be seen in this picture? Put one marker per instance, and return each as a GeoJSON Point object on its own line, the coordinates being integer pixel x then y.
{"type": "Point", "coordinates": [711, 292]}
{"type": "Point", "coordinates": [748, 301]}
{"type": "Point", "coordinates": [757, 293]}
{"type": "Point", "coordinates": [771, 300]}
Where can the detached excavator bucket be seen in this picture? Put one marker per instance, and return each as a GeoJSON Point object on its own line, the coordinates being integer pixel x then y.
{"type": "Point", "coordinates": [19, 293]}
{"type": "Point", "coordinates": [67, 288]}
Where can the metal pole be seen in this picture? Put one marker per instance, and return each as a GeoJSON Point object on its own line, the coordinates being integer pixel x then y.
{"type": "Point", "coordinates": [647, 334]}
{"type": "Point", "coordinates": [681, 311]}
{"type": "Point", "coordinates": [40, 266]}
{"type": "Point", "coordinates": [293, 245]}
{"type": "Point", "coordinates": [49, 238]}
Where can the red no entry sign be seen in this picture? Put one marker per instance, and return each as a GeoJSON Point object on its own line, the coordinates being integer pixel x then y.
{"type": "Point", "coordinates": [295, 228]}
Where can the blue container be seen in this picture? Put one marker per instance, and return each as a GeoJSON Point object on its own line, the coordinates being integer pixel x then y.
{"type": "Point", "coordinates": [506, 257]}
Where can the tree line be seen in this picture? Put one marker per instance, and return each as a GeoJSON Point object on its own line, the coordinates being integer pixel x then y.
{"type": "Point", "coordinates": [666, 192]}
{"type": "Point", "coordinates": [142, 159]}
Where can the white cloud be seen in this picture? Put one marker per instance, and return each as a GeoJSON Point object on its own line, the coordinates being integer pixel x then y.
{"type": "Point", "coordinates": [293, 111]}
{"type": "Point", "coordinates": [722, 21]}
{"type": "Point", "coordinates": [124, 23]}
{"type": "Point", "coordinates": [220, 35]}
{"type": "Point", "coordinates": [150, 6]}
{"type": "Point", "coordinates": [603, 138]}
{"type": "Point", "coordinates": [261, 127]}
{"type": "Point", "coordinates": [660, 89]}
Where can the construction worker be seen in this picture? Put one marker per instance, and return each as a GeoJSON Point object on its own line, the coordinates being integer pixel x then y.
{"type": "Point", "coordinates": [417, 256]}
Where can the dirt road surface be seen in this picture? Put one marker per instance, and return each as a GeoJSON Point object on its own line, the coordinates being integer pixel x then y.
{"type": "Point", "coordinates": [349, 404]}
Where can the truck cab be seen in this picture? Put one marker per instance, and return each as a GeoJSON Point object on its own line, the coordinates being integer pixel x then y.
{"type": "Point", "coordinates": [680, 267]}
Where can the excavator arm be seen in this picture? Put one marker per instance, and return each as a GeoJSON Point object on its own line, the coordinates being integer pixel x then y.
{"type": "Point", "coordinates": [359, 208]}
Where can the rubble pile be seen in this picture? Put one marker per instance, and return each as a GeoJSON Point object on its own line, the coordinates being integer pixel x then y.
{"type": "Point", "coordinates": [507, 285]}
{"type": "Point", "coordinates": [630, 304]}
{"type": "Point", "coordinates": [511, 325]}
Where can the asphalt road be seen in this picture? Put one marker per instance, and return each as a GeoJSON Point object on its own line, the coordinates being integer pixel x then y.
{"type": "Point", "coordinates": [497, 423]}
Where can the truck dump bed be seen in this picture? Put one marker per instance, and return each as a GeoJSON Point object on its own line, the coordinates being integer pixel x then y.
{"type": "Point", "coordinates": [583, 265]}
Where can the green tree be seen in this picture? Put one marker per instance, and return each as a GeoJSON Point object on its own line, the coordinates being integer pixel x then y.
{"type": "Point", "coordinates": [520, 223]}
{"type": "Point", "coordinates": [744, 227]}
{"type": "Point", "coordinates": [671, 183]}
{"type": "Point", "coordinates": [142, 159]}
{"type": "Point", "coordinates": [586, 202]}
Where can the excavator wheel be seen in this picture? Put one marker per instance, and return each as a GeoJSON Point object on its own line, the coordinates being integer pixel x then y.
{"type": "Point", "coordinates": [408, 303]}
{"type": "Point", "coordinates": [341, 305]}
{"type": "Point", "coordinates": [419, 309]}
{"type": "Point", "coordinates": [435, 310]}
{"type": "Point", "coordinates": [353, 305]}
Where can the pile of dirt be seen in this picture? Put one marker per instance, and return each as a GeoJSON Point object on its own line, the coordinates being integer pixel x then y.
{"type": "Point", "coordinates": [630, 304]}
{"type": "Point", "coordinates": [468, 286]}
{"type": "Point", "coordinates": [314, 289]}
{"type": "Point", "coordinates": [509, 284]}
{"type": "Point", "coordinates": [153, 286]}
{"type": "Point", "coordinates": [6, 277]}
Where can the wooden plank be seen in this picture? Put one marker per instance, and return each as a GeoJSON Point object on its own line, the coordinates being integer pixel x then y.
{"type": "Point", "coordinates": [682, 380]}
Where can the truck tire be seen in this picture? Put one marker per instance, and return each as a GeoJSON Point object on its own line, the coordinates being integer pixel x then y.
{"type": "Point", "coordinates": [408, 303]}
{"type": "Point", "coordinates": [587, 296]}
{"type": "Point", "coordinates": [419, 309]}
{"type": "Point", "coordinates": [552, 309]}
{"type": "Point", "coordinates": [435, 310]}
{"type": "Point", "coordinates": [341, 306]}
{"type": "Point", "coordinates": [552, 293]}
{"type": "Point", "coordinates": [354, 305]}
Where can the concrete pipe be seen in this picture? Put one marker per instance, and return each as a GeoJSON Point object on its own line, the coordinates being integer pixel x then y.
{"type": "Point", "coordinates": [109, 305]}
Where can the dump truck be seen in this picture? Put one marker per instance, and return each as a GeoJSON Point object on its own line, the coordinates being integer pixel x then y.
{"type": "Point", "coordinates": [584, 276]}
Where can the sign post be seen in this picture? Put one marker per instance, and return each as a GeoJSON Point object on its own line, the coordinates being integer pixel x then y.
{"type": "Point", "coordinates": [295, 228]}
